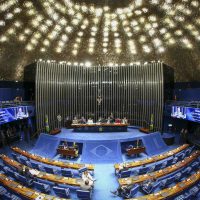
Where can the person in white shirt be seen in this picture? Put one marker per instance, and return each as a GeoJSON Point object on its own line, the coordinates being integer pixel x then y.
{"type": "Point", "coordinates": [85, 185]}
{"type": "Point", "coordinates": [124, 121]}
{"type": "Point", "coordinates": [90, 121]}
{"type": "Point", "coordinates": [87, 176]}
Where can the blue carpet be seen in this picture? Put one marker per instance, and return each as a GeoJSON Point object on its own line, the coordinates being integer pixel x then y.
{"type": "Point", "coordinates": [101, 152]}
{"type": "Point", "coordinates": [46, 146]}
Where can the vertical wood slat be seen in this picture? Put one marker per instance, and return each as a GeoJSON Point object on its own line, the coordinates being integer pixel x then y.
{"type": "Point", "coordinates": [134, 91]}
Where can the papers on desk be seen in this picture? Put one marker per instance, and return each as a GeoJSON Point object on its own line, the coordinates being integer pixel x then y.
{"type": "Point", "coordinates": [34, 172]}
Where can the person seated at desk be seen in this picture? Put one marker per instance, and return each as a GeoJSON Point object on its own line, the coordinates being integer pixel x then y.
{"type": "Point", "coordinates": [85, 185]}
{"type": "Point", "coordinates": [87, 177]}
{"type": "Point", "coordinates": [21, 169]}
{"type": "Point", "coordinates": [75, 120]}
{"type": "Point", "coordinates": [100, 120]}
{"type": "Point", "coordinates": [122, 191]}
{"type": "Point", "coordinates": [124, 121]}
{"type": "Point", "coordinates": [90, 121]}
{"type": "Point", "coordinates": [109, 120]}
{"type": "Point", "coordinates": [82, 120]}
{"type": "Point", "coordinates": [75, 146]}
{"type": "Point", "coordinates": [65, 145]}
{"type": "Point", "coordinates": [122, 167]}
{"type": "Point", "coordinates": [68, 122]}
{"type": "Point", "coordinates": [118, 121]}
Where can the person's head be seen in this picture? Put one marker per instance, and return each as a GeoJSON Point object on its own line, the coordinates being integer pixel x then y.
{"type": "Point", "coordinates": [75, 118]}
{"type": "Point", "coordinates": [108, 117]}
{"type": "Point", "coordinates": [82, 117]}
{"type": "Point", "coordinates": [86, 182]}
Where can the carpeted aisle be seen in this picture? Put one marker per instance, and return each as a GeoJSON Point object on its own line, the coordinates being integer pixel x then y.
{"type": "Point", "coordinates": [106, 181]}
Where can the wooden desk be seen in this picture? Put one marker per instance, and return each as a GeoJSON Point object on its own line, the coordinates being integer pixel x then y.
{"type": "Point", "coordinates": [100, 127]}
{"type": "Point", "coordinates": [55, 131]}
{"type": "Point", "coordinates": [72, 152]}
{"type": "Point", "coordinates": [43, 175]}
{"type": "Point", "coordinates": [172, 191]}
{"type": "Point", "coordinates": [24, 191]}
{"type": "Point", "coordinates": [144, 130]}
{"type": "Point", "coordinates": [135, 150]}
{"type": "Point", "coordinates": [51, 162]}
{"type": "Point", "coordinates": [153, 159]}
{"type": "Point", "coordinates": [159, 173]}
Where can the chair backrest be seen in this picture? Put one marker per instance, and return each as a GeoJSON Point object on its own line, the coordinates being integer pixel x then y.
{"type": "Point", "coordinates": [46, 182]}
{"type": "Point", "coordinates": [49, 170]}
{"type": "Point", "coordinates": [158, 166]}
{"type": "Point", "coordinates": [125, 174]}
{"type": "Point", "coordinates": [14, 197]}
{"type": "Point", "coordinates": [22, 160]}
{"type": "Point", "coordinates": [164, 164]}
{"type": "Point", "coordinates": [15, 157]}
{"type": "Point", "coordinates": [23, 179]}
{"type": "Point", "coordinates": [170, 180]}
{"type": "Point", "coordinates": [67, 173]}
{"type": "Point", "coordinates": [62, 192]}
{"type": "Point", "coordinates": [83, 169]}
{"type": "Point", "coordinates": [41, 186]}
{"type": "Point", "coordinates": [82, 194]}
{"type": "Point", "coordinates": [170, 161]}
{"type": "Point", "coordinates": [34, 165]}
{"type": "Point", "coordinates": [143, 170]}
{"type": "Point", "coordinates": [195, 165]}
{"type": "Point", "coordinates": [10, 172]}
{"type": "Point", "coordinates": [134, 190]}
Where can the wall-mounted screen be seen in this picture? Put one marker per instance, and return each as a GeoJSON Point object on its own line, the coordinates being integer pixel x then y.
{"type": "Point", "coordinates": [191, 114]}
{"type": "Point", "coordinates": [15, 113]}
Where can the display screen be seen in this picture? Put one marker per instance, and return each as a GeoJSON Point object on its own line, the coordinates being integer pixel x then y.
{"type": "Point", "coordinates": [191, 114]}
{"type": "Point", "coordinates": [15, 113]}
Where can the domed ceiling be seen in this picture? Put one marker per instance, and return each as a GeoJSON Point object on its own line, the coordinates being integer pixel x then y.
{"type": "Point", "coordinates": [106, 32]}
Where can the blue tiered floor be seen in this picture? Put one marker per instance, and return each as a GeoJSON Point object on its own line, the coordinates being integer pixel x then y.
{"type": "Point", "coordinates": [101, 149]}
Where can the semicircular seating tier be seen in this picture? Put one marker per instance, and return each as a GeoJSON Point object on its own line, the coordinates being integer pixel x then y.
{"type": "Point", "coordinates": [153, 159]}
{"type": "Point", "coordinates": [50, 161]}
{"type": "Point", "coordinates": [23, 191]}
{"type": "Point", "coordinates": [173, 191]}
{"type": "Point", "coordinates": [160, 173]}
{"type": "Point", "coordinates": [42, 175]}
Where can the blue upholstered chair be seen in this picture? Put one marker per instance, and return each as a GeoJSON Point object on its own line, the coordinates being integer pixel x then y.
{"type": "Point", "coordinates": [42, 187]}
{"type": "Point", "coordinates": [81, 170]}
{"type": "Point", "coordinates": [133, 191]}
{"type": "Point", "coordinates": [170, 161]}
{"type": "Point", "coordinates": [84, 195]}
{"type": "Point", "coordinates": [22, 160]}
{"type": "Point", "coordinates": [143, 170]}
{"type": "Point", "coordinates": [67, 173]}
{"type": "Point", "coordinates": [194, 190]}
{"type": "Point", "coordinates": [167, 181]}
{"type": "Point", "coordinates": [124, 174]}
{"type": "Point", "coordinates": [6, 196]}
{"type": "Point", "coordinates": [2, 166]}
{"type": "Point", "coordinates": [28, 164]}
{"type": "Point", "coordinates": [23, 180]}
{"type": "Point", "coordinates": [14, 197]}
{"type": "Point", "coordinates": [9, 172]}
{"type": "Point", "coordinates": [149, 188]}
{"type": "Point", "coordinates": [180, 197]}
{"type": "Point", "coordinates": [177, 176]}
{"type": "Point", "coordinates": [62, 192]}
{"type": "Point", "coordinates": [2, 190]}
{"type": "Point", "coordinates": [158, 166]}
{"type": "Point", "coordinates": [181, 156]}
{"type": "Point", "coordinates": [15, 157]}
{"type": "Point", "coordinates": [46, 182]}
{"type": "Point", "coordinates": [164, 164]}
{"type": "Point", "coordinates": [50, 170]}
{"type": "Point", "coordinates": [186, 171]}
{"type": "Point", "coordinates": [195, 165]}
